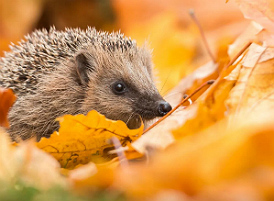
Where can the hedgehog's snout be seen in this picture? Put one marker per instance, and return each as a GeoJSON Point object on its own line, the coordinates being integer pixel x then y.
{"type": "Point", "coordinates": [149, 109]}
{"type": "Point", "coordinates": [163, 108]}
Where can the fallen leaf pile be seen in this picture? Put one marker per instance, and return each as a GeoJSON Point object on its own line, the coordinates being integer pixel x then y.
{"type": "Point", "coordinates": [219, 145]}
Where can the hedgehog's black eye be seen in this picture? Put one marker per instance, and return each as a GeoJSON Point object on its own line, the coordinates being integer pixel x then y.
{"type": "Point", "coordinates": [119, 88]}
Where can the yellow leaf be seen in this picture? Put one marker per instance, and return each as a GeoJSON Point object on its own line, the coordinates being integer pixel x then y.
{"type": "Point", "coordinates": [82, 139]}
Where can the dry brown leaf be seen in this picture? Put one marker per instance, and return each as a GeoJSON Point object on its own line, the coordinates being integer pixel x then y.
{"type": "Point", "coordinates": [82, 139]}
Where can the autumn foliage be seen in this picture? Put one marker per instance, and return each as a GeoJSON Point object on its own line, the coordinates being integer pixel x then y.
{"type": "Point", "coordinates": [218, 145]}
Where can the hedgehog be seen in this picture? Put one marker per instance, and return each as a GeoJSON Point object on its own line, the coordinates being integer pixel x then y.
{"type": "Point", "coordinates": [54, 73]}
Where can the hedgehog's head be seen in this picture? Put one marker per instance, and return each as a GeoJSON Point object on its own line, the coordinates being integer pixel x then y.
{"type": "Point", "coordinates": [119, 83]}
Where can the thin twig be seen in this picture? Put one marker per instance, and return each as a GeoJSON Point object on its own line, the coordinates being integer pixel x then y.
{"type": "Point", "coordinates": [181, 103]}
{"type": "Point", "coordinates": [237, 56]}
{"type": "Point", "coordinates": [194, 18]}
{"type": "Point", "coordinates": [202, 86]}
{"type": "Point", "coordinates": [225, 72]}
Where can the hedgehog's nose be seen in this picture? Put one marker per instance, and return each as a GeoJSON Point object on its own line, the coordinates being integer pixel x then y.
{"type": "Point", "coordinates": [163, 108]}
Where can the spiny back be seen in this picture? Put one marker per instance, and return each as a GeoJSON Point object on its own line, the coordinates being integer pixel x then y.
{"type": "Point", "coordinates": [43, 50]}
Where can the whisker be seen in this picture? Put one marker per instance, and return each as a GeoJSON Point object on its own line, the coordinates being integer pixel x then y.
{"type": "Point", "coordinates": [169, 90]}
{"type": "Point", "coordinates": [173, 93]}
{"type": "Point", "coordinates": [130, 117]}
{"type": "Point", "coordinates": [166, 80]}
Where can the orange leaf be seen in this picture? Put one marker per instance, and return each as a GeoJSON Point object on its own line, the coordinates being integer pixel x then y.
{"type": "Point", "coordinates": [7, 98]}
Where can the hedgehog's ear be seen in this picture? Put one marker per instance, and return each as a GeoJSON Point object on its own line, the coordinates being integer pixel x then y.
{"type": "Point", "coordinates": [83, 67]}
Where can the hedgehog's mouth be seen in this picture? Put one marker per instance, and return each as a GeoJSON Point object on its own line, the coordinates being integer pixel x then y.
{"type": "Point", "coordinates": [140, 116]}
{"type": "Point", "coordinates": [147, 114]}
{"type": "Point", "coordinates": [148, 110]}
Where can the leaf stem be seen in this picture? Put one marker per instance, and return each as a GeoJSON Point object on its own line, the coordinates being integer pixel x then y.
{"type": "Point", "coordinates": [196, 21]}
{"type": "Point", "coordinates": [237, 56]}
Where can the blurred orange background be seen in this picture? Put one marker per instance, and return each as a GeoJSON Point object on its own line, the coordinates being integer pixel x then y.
{"type": "Point", "coordinates": [164, 24]}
